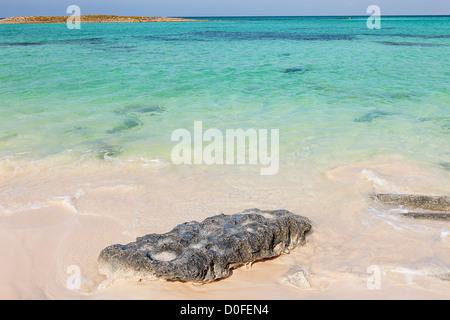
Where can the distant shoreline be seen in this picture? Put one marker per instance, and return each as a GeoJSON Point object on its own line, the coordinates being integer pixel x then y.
{"type": "Point", "coordinates": [92, 19]}
{"type": "Point", "coordinates": [142, 19]}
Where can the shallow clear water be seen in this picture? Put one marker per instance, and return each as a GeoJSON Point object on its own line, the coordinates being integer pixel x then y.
{"type": "Point", "coordinates": [334, 88]}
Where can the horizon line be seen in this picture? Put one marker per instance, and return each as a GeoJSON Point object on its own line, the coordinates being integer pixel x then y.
{"type": "Point", "coordinates": [319, 16]}
{"type": "Point", "coordinates": [266, 16]}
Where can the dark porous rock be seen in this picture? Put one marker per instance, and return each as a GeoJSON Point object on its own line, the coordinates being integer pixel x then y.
{"type": "Point", "coordinates": [208, 250]}
{"type": "Point", "coordinates": [126, 125]}
{"type": "Point", "coordinates": [425, 202]}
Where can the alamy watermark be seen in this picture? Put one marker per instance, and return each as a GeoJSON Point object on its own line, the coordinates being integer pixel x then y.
{"type": "Point", "coordinates": [235, 146]}
{"type": "Point", "coordinates": [74, 280]}
{"type": "Point", "coordinates": [374, 280]}
{"type": "Point", "coordinates": [74, 21]}
{"type": "Point", "coordinates": [374, 21]}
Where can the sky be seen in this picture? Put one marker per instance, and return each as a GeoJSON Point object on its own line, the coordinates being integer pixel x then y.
{"type": "Point", "coordinates": [191, 8]}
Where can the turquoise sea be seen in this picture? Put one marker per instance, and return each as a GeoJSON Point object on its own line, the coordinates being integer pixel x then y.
{"type": "Point", "coordinates": [335, 89]}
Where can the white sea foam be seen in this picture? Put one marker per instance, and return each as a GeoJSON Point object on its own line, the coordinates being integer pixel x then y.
{"type": "Point", "coordinates": [444, 235]}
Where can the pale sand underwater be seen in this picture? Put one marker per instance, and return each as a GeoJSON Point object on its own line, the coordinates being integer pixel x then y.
{"type": "Point", "coordinates": [56, 215]}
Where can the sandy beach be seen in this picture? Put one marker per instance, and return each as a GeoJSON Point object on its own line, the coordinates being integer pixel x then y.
{"type": "Point", "coordinates": [65, 217]}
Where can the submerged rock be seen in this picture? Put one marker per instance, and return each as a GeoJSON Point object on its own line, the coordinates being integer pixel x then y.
{"type": "Point", "coordinates": [104, 152]}
{"type": "Point", "coordinates": [429, 207]}
{"type": "Point", "coordinates": [294, 70]}
{"type": "Point", "coordinates": [416, 201]}
{"type": "Point", "coordinates": [9, 136]}
{"type": "Point", "coordinates": [410, 44]}
{"type": "Point", "coordinates": [370, 116]}
{"type": "Point", "coordinates": [444, 276]}
{"type": "Point", "coordinates": [140, 110]}
{"type": "Point", "coordinates": [427, 215]}
{"type": "Point", "coordinates": [208, 250]}
{"type": "Point", "coordinates": [444, 165]}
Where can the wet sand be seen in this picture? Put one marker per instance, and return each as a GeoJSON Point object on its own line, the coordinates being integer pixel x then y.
{"type": "Point", "coordinates": [57, 214]}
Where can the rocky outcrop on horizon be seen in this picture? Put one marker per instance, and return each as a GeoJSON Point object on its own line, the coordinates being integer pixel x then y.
{"type": "Point", "coordinates": [93, 19]}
